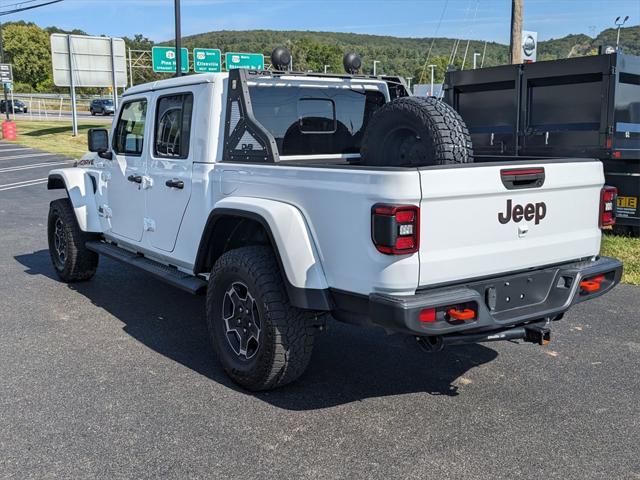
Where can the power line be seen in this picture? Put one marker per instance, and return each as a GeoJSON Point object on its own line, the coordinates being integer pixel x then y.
{"type": "Point", "coordinates": [22, 9]}
{"type": "Point", "coordinates": [424, 67]}
{"type": "Point", "coordinates": [18, 3]}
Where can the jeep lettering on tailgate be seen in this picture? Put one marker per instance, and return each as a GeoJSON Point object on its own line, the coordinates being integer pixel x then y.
{"type": "Point", "coordinates": [529, 212]}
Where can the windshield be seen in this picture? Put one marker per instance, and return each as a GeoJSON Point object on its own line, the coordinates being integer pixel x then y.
{"type": "Point", "coordinates": [314, 120]}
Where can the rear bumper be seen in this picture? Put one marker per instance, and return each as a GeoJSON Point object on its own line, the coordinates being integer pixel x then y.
{"type": "Point", "coordinates": [499, 302]}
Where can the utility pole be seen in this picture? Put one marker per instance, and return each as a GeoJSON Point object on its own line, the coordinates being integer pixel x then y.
{"type": "Point", "coordinates": [516, 31]}
{"type": "Point", "coordinates": [178, 40]}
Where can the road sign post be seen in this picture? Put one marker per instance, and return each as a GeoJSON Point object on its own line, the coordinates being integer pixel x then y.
{"type": "Point", "coordinates": [163, 59]}
{"type": "Point", "coordinates": [207, 60]}
{"type": "Point", "coordinates": [72, 85]}
{"type": "Point", "coordinates": [6, 77]}
{"type": "Point", "coordinates": [252, 61]}
{"type": "Point", "coordinates": [113, 75]}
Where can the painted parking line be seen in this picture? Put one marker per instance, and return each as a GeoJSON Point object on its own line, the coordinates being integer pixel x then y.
{"type": "Point", "coordinates": [34, 165]}
{"type": "Point", "coordinates": [26, 183]}
{"type": "Point", "coordinates": [14, 149]}
{"type": "Point", "coordinates": [30, 155]}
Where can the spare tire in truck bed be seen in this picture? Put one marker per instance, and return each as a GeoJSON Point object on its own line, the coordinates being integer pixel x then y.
{"type": "Point", "coordinates": [415, 132]}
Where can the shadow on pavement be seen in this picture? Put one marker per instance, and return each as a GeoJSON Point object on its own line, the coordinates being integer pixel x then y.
{"type": "Point", "coordinates": [54, 130]}
{"type": "Point", "coordinates": [349, 363]}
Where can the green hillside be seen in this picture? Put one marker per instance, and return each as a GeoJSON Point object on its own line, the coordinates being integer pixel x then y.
{"type": "Point", "coordinates": [400, 56]}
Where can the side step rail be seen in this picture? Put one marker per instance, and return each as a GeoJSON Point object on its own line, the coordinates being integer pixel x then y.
{"type": "Point", "coordinates": [170, 275]}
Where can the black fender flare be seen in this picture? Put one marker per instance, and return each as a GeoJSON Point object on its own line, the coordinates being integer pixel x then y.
{"type": "Point", "coordinates": [307, 298]}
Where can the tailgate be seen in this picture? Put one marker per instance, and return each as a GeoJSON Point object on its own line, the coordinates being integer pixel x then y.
{"type": "Point", "coordinates": [475, 221]}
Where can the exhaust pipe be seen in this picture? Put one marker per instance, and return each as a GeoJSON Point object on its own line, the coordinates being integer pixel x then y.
{"type": "Point", "coordinates": [534, 333]}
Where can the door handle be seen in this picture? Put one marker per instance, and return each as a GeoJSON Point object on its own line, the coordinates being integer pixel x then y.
{"type": "Point", "coordinates": [175, 183]}
{"type": "Point", "coordinates": [135, 178]}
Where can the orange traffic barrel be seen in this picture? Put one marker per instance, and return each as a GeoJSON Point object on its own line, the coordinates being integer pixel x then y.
{"type": "Point", "coordinates": [9, 130]}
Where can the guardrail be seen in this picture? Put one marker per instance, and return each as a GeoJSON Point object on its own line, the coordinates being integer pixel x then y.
{"type": "Point", "coordinates": [43, 106]}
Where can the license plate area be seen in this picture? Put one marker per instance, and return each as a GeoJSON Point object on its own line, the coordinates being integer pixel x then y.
{"type": "Point", "coordinates": [517, 291]}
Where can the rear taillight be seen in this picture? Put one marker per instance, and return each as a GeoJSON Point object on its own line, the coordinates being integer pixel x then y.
{"type": "Point", "coordinates": [395, 229]}
{"type": "Point", "coordinates": [608, 196]}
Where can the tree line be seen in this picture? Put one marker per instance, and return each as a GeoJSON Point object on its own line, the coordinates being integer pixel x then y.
{"type": "Point", "coordinates": [27, 47]}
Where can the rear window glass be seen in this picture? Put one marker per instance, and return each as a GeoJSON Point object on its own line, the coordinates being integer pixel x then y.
{"type": "Point", "coordinates": [313, 120]}
{"type": "Point", "coordinates": [316, 115]}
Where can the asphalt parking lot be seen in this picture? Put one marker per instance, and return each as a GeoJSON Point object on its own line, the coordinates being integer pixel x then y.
{"type": "Point", "coordinates": [115, 378]}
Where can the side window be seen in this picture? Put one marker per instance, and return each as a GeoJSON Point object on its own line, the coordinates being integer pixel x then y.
{"type": "Point", "coordinates": [173, 126]}
{"type": "Point", "coordinates": [129, 133]}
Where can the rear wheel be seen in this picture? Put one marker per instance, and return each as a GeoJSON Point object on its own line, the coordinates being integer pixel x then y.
{"type": "Point", "coordinates": [261, 340]}
{"type": "Point", "coordinates": [414, 132]}
{"type": "Point", "coordinates": [72, 261]}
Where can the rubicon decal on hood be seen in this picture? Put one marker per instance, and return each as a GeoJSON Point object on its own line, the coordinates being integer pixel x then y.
{"type": "Point", "coordinates": [517, 212]}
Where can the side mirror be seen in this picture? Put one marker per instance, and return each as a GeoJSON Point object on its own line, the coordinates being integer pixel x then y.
{"type": "Point", "coordinates": [99, 142]}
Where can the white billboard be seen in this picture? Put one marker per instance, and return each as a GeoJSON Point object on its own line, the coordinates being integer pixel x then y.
{"type": "Point", "coordinates": [90, 59]}
{"type": "Point", "coordinates": [529, 46]}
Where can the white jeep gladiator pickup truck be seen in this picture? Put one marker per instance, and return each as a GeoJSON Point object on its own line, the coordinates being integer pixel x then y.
{"type": "Point", "coordinates": [287, 197]}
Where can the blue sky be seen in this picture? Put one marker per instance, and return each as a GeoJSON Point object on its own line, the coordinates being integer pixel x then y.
{"type": "Point", "coordinates": [480, 19]}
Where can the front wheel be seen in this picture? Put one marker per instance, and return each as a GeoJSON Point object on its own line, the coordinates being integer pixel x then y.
{"type": "Point", "coordinates": [261, 340]}
{"type": "Point", "coordinates": [72, 261]}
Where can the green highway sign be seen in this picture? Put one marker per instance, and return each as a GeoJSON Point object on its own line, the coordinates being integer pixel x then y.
{"type": "Point", "coordinates": [253, 61]}
{"type": "Point", "coordinates": [164, 59]}
{"type": "Point", "coordinates": [207, 60]}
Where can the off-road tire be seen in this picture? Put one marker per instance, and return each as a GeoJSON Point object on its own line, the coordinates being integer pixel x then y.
{"type": "Point", "coordinates": [416, 132]}
{"type": "Point", "coordinates": [286, 333]}
{"type": "Point", "coordinates": [78, 263]}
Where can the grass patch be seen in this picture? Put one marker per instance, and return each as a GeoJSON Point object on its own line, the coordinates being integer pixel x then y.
{"type": "Point", "coordinates": [627, 250]}
{"type": "Point", "coordinates": [55, 137]}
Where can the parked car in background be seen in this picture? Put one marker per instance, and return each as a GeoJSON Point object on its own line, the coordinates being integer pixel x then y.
{"type": "Point", "coordinates": [102, 106]}
{"type": "Point", "coordinates": [14, 106]}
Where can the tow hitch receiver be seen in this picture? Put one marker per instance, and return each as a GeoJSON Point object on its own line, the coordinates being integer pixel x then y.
{"type": "Point", "coordinates": [534, 333]}
{"type": "Point", "coordinates": [537, 334]}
